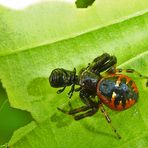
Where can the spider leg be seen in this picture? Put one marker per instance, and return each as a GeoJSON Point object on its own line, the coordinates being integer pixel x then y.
{"type": "Point", "coordinates": [70, 93]}
{"type": "Point", "coordinates": [78, 89]}
{"type": "Point", "coordinates": [108, 120]}
{"type": "Point", "coordinates": [98, 62]}
{"type": "Point", "coordinates": [74, 111]}
{"type": "Point", "coordinates": [114, 70]}
{"type": "Point", "coordinates": [70, 106]}
{"type": "Point", "coordinates": [112, 61]}
{"type": "Point", "coordinates": [102, 63]}
{"type": "Point", "coordinates": [90, 112]}
{"type": "Point", "coordinates": [131, 71]}
{"type": "Point", "coordinates": [86, 114]}
{"type": "Point", "coordinates": [85, 97]}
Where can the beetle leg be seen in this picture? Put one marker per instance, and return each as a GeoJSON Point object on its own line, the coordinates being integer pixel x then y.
{"type": "Point", "coordinates": [108, 120]}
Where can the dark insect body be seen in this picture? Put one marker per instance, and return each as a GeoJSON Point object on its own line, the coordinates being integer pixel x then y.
{"type": "Point", "coordinates": [117, 91]}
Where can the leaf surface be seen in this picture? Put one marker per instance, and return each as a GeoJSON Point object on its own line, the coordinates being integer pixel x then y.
{"type": "Point", "coordinates": [34, 41]}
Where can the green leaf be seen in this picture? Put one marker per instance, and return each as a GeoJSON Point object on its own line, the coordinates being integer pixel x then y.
{"type": "Point", "coordinates": [40, 38]}
{"type": "Point", "coordinates": [16, 117]}
{"type": "Point", "coordinates": [84, 3]}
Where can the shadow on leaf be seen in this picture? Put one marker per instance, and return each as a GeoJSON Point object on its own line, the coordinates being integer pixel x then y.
{"type": "Point", "coordinates": [61, 121]}
{"type": "Point", "coordinates": [38, 87]}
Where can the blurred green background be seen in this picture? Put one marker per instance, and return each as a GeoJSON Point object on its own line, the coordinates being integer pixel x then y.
{"type": "Point", "coordinates": [10, 119]}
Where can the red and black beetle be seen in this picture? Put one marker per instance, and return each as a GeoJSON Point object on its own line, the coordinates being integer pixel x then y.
{"type": "Point", "coordinates": [117, 91]}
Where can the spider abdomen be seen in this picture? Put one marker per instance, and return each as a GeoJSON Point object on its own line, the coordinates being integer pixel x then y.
{"type": "Point", "coordinates": [117, 91]}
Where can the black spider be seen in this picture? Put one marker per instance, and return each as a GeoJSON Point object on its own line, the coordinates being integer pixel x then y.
{"type": "Point", "coordinates": [117, 91]}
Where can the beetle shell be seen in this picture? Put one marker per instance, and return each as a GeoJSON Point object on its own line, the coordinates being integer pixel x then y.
{"type": "Point", "coordinates": [117, 91]}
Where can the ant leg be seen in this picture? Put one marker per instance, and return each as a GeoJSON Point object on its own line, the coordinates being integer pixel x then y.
{"type": "Point", "coordinates": [74, 111]}
{"type": "Point", "coordinates": [86, 114]}
{"type": "Point", "coordinates": [109, 120]}
{"type": "Point", "coordinates": [61, 90]}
